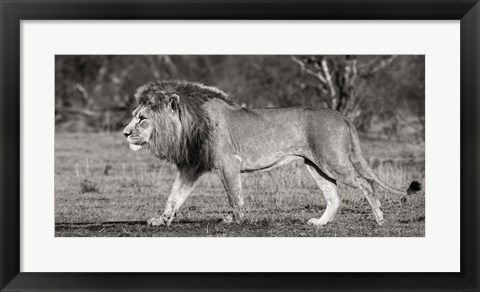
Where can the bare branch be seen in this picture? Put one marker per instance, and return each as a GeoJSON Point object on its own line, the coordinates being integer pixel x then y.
{"type": "Point", "coordinates": [328, 77]}
{"type": "Point", "coordinates": [321, 88]}
{"type": "Point", "coordinates": [382, 64]}
{"type": "Point", "coordinates": [354, 71]}
{"type": "Point", "coordinates": [79, 87]}
{"type": "Point", "coordinates": [304, 68]}
{"type": "Point", "coordinates": [365, 66]}
{"type": "Point", "coordinates": [172, 69]}
{"type": "Point", "coordinates": [350, 72]}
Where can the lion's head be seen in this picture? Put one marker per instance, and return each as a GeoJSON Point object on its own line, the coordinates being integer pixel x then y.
{"type": "Point", "coordinates": [171, 122]}
{"type": "Point", "coordinates": [156, 114]}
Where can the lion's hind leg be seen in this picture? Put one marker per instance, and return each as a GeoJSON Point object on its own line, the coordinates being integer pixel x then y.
{"type": "Point", "coordinates": [367, 189]}
{"type": "Point", "coordinates": [348, 175]}
{"type": "Point", "coordinates": [330, 191]}
{"type": "Point", "coordinates": [351, 177]}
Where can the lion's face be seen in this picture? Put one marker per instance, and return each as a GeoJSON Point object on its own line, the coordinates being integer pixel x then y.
{"type": "Point", "coordinates": [140, 129]}
{"type": "Point", "coordinates": [156, 125]}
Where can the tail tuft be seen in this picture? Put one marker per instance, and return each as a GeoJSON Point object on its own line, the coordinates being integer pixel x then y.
{"type": "Point", "coordinates": [414, 187]}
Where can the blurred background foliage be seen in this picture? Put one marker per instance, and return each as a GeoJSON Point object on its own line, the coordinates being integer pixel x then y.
{"type": "Point", "coordinates": [383, 95]}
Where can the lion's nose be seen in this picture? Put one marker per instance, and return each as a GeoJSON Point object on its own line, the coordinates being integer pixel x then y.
{"type": "Point", "coordinates": [127, 133]}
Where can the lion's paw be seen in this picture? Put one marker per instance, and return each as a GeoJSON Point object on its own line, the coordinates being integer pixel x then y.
{"type": "Point", "coordinates": [317, 222]}
{"type": "Point", "coordinates": [380, 221]}
{"type": "Point", "coordinates": [155, 222]}
{"type": "Point", "coordinates": [227, 219]}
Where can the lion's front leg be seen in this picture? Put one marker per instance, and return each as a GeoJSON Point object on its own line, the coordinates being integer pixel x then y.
{"type": "Point", "coordinates": [181, 189]}
{"type": "Point", "coordinates": [230, 175]}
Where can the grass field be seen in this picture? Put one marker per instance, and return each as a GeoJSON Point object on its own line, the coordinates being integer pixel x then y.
{"type": "Point", "coordinates": [102, 188]}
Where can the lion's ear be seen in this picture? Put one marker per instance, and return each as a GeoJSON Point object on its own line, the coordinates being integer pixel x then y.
{"type": "Point", "coordinates": [173, 101]}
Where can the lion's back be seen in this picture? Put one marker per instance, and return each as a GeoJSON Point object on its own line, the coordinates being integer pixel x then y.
{"type": "Point", "coordinates": [271, 129]}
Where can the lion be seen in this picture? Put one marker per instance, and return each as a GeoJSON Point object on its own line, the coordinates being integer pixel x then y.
{"type": "Point", "coordinates": [200, 129]}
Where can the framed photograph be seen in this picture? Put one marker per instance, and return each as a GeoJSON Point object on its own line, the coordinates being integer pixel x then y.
{"type": "Point", "coordinates": [275, 145]}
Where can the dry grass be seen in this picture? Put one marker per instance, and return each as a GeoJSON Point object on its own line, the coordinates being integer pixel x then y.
{"type": "Point", "coordinates": [99, 180]}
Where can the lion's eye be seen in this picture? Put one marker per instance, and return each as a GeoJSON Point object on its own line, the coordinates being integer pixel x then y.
{"type": "Point", "coordinates": [141, 118]}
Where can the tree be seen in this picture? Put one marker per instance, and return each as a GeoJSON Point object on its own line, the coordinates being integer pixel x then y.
{"type": "Point", "coordinates": [341, 79]}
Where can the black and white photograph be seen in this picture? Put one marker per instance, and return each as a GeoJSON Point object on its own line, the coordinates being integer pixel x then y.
{"type": "Point", "coordinates": [239, 146]}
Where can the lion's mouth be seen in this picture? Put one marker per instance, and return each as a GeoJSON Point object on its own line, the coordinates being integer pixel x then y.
{"type": "Point", "coordinates": [140, 143]}
{"type": "Point", "coordinates": [135, 144]}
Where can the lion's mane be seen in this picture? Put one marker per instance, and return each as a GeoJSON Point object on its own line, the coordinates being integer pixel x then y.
{"type": "Point", "coordinates": [187, 143]}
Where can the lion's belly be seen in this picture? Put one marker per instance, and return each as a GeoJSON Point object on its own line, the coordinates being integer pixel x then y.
{"type": "Point", "coordinates": [266, 162]}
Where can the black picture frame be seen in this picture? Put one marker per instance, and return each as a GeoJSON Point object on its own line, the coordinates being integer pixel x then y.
{"type": "Point", "coordinates": [13, 11]}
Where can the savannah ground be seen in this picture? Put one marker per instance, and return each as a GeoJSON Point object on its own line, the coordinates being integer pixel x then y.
{"type": "Point", "coordinates": [102, 188]}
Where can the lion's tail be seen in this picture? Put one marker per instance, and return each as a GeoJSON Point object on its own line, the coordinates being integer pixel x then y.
{"type": "Point", "coordinates": [414, 187]}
